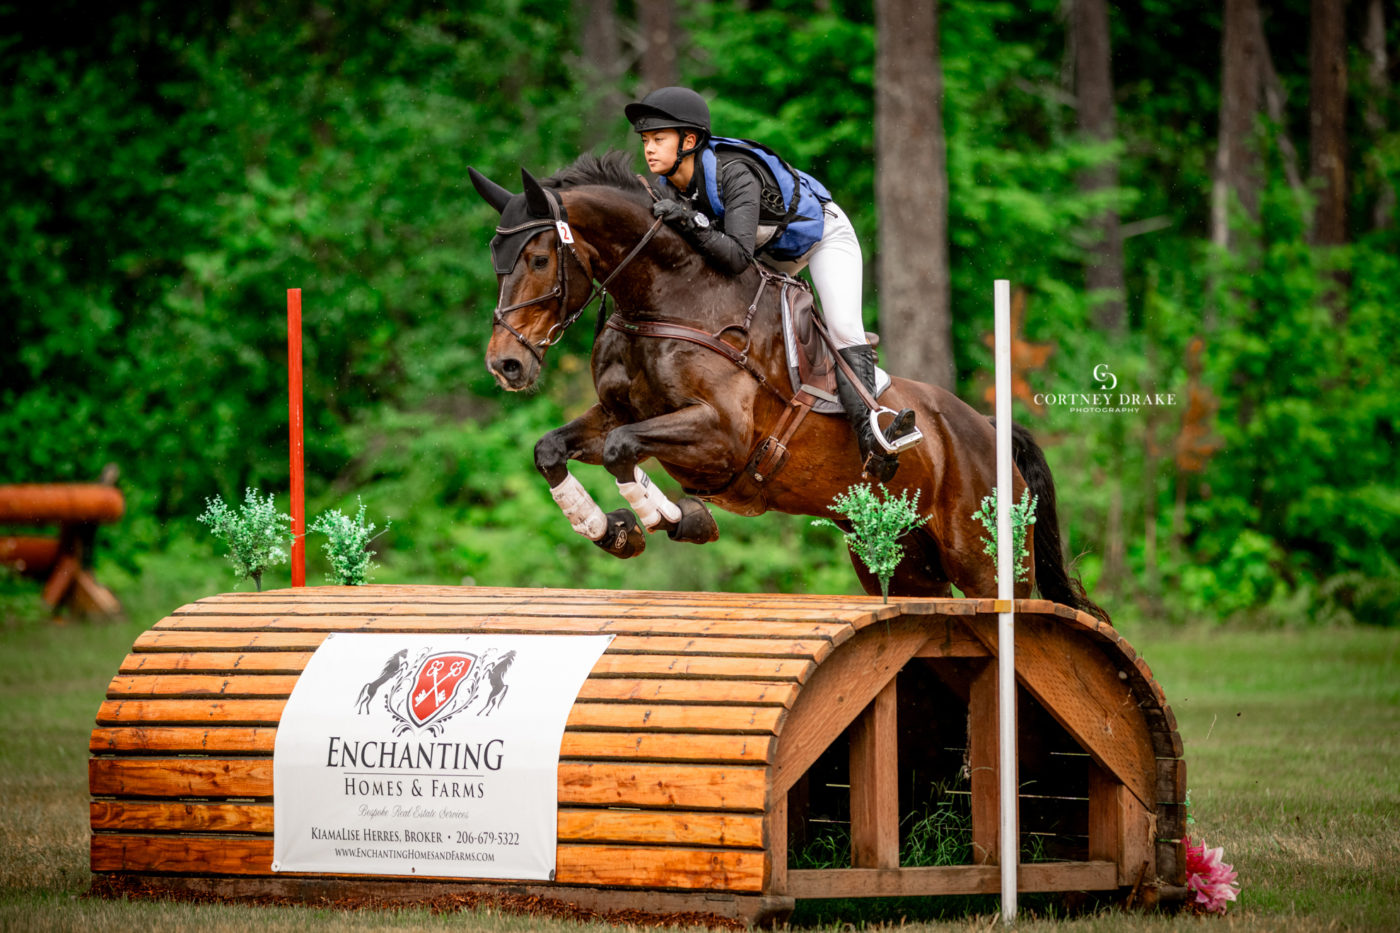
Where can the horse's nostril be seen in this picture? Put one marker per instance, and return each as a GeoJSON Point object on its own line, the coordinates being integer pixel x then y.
{"type": "Point", "coordinates": [510, 368]}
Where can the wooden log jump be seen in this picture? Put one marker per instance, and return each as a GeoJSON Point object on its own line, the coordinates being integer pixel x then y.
{"type": "Point", "coordinates": [697, 756]}
{"type": "Point", "coordinates": [64, 562]}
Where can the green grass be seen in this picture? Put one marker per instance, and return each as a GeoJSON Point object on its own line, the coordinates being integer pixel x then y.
{"type": "Point", "coordinates": [1292, 740]}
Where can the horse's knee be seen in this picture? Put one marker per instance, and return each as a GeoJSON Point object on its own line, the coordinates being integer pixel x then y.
{"type": "Point", "coordinates": [620, 454]}
{"type": "Point", "coordinates": [552, 458]}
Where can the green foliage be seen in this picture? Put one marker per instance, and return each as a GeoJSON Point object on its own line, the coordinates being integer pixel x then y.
{"type": "Point", "coordinates": [830, 849]}
{"type": "Point", "coordinates": [168, 174]}
{"type": "Point", "coordinates": [347, 544]}
{"type": "Point", "coordinates": [257, 535]}
{"type": "Point", "coordinates": [878, 521]}
{"type": "Point", "coordinates": [1022, 517]}
{"type": "Point", "coordinates": [939, 835]}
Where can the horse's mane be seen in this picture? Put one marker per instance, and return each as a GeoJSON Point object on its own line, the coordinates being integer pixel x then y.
{"type": "Point", "coordinates": [612, 168]}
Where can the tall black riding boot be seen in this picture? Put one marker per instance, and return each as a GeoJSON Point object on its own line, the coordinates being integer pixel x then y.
{"type": "Point", "coordinates": [879, 463]}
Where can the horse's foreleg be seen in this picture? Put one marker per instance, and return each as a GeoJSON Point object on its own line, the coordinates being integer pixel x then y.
{"type": "Point", "coordinates": [651, 504]}
{"type": "Point", "coordinates": [671, 438]}
{"type": "Point", "coordinates": [687, 520]}
{"type": "Point", "coordinates": [581, 440]}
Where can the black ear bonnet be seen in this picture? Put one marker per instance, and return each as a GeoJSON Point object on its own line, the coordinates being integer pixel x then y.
{"type": "Point", "coordinates": [523, 216]}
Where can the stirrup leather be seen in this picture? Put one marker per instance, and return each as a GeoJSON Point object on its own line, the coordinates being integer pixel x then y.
{"type": "Point", "coordinates": [899, 444]}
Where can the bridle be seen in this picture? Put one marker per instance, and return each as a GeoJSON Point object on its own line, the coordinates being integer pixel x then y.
{"type": "Point", "coordinates": [563, 237]}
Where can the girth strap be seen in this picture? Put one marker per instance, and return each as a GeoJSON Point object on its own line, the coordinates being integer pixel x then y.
{"type": "Point", "coordinates": [672, 331]}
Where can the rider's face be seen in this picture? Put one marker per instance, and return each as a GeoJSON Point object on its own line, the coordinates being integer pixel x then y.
{"type": "Point", "coordinates": [659, 148]}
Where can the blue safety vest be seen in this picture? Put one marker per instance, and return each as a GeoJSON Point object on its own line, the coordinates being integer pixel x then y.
{"type": "Point", "coordinates": [803, 226]}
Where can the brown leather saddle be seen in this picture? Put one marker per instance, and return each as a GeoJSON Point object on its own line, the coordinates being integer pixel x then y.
{"type": "Point", "coordinates": [811, 365]}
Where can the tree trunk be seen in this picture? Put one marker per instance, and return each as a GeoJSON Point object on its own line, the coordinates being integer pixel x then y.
{"type": "Point", "coordinates": [1236, 161]}
{"type": "Point", "coordinates": [601, 52]}
{"type": "Point", "coordinates": [1383, 211]}
{"type": "Point", "coordinates": [1275, 105]}
{"type": "Point", "coordinates": [911, 193]}
{"type": "Point", "coordinates": [1093, 77]}
{"type": "Point", "coordinates": [1328, 58]}
{"type": "Point", "coordinates": [657, 22]}
{"type": "Point", "coordinates": [1327, 53]}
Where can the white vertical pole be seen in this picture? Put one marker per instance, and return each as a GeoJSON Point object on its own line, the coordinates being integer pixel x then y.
{"type": "Point", "coordinates": [1006, 645]}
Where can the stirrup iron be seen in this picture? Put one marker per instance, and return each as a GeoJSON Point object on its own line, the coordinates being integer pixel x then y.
{"type": "Point", "coordinates": [899, 444]}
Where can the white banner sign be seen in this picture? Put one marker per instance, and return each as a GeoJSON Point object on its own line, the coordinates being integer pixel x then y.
{"type": "Point", "coordinates": [429, 755]}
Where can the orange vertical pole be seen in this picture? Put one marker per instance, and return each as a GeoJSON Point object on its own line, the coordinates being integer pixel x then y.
{"type": "Point", "coordinates": [294, 421]}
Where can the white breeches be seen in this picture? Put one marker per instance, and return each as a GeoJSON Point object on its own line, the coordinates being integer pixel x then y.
{"type": "Point", "coordinates": [837, 270]}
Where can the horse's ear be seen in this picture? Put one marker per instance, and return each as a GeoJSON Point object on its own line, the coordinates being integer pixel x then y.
{"type": "Point", "coordinates": [536, 201]}
{"type": "Point", "coordinates": [490, 192]}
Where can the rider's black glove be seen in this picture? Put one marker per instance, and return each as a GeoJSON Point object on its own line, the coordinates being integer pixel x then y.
{"type": "Point", "coordinates": [719, 250]}
{"type": "Point", "coordinates": [678, 215]}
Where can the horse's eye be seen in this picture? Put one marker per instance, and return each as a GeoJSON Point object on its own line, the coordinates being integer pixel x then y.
{"type": "Point", "coordinates": [539, 262]}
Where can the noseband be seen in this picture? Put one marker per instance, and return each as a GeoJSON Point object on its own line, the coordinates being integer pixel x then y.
{"type": "Point", "coordinates": [563, 237]}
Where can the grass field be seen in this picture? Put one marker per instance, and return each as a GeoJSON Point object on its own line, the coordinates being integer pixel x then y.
{"type": "Point", "coordinates": [1292, 741]}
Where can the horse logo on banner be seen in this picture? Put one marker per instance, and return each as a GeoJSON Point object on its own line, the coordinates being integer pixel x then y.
{"type": "Point", "coordinates": [436, 686]}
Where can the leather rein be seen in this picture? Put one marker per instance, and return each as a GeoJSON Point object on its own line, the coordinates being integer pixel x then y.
{"type": "Point", "coordinates": [563, 237]}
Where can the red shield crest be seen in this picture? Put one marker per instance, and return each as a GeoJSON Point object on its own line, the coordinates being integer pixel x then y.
{"type": "Point", "coordinates": [435, 685]}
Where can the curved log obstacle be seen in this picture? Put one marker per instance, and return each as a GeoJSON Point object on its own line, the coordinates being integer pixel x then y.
{"type": "Point", "coordinates": [708, 736]}
{"type": "Point", "coordinates": [63, 562]}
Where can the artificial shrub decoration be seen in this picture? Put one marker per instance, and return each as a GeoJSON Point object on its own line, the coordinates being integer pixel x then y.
{"type": "Point", "coordinates": [257, 535]}
{"type": "Point", "coordinates": [877, 523]}
{"type": "Point", "coordinates": [1022, 517]}
{"type": "Point", "coordinates": [347, 544]}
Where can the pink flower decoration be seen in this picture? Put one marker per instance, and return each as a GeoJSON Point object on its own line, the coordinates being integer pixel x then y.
{"type": "Point", "coordinates": [1213, 880]}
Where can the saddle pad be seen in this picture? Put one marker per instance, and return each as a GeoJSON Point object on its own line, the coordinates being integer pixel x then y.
{"type": "Point", "coordinates": [808, 356]}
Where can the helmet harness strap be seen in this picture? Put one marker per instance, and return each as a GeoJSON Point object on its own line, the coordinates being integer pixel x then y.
{"type": "Point", "coordinates": [681, 154]}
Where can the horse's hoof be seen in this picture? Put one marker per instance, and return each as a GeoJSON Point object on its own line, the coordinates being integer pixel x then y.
{"type": "Point", "coordinates": [697, 525]}
{"type": "Point", "coordinates": [624, 537]}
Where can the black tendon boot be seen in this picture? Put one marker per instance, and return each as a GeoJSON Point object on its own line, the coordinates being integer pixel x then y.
{"type": "Point", "coordinates": [879, 463]}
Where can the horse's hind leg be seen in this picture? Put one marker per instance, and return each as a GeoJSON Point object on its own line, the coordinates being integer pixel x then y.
{"type": "Point", "coordinates": [920, 573]}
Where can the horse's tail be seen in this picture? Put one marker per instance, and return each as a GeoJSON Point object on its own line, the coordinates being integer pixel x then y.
{"type": "Point", "coordinates": [1052, 577]}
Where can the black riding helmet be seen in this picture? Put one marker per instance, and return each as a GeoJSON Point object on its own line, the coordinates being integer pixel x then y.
{"type": "Point", "coordinates": [677, 108]}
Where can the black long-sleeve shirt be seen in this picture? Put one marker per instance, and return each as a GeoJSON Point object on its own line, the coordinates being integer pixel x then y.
{"type": "Point", "coordinates": [729, 243]}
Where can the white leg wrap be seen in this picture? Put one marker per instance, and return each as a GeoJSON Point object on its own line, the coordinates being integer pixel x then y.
{"type": "Point", "coordinates": [649, 502]}
{"type": "Point", "coordinates": [580, 509]}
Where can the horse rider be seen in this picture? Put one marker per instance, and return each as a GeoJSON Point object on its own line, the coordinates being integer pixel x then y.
{"type": "Point", "coordinates": [735, 200]}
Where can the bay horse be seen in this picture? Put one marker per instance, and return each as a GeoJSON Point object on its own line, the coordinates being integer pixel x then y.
{"type": "Point", "coordinates": [701, 413]}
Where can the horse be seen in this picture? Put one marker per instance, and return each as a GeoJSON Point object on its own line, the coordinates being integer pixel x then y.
{"type": "Point", "coordinates": [496, 674]}
{"type": "Point", "coordinates": [391, 667]}
{"type": "Point", "coordinates": [701, 410]}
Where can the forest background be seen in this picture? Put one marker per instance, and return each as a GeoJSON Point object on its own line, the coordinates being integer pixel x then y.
{"type": "Point", "coordinates": [1197, 196]}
